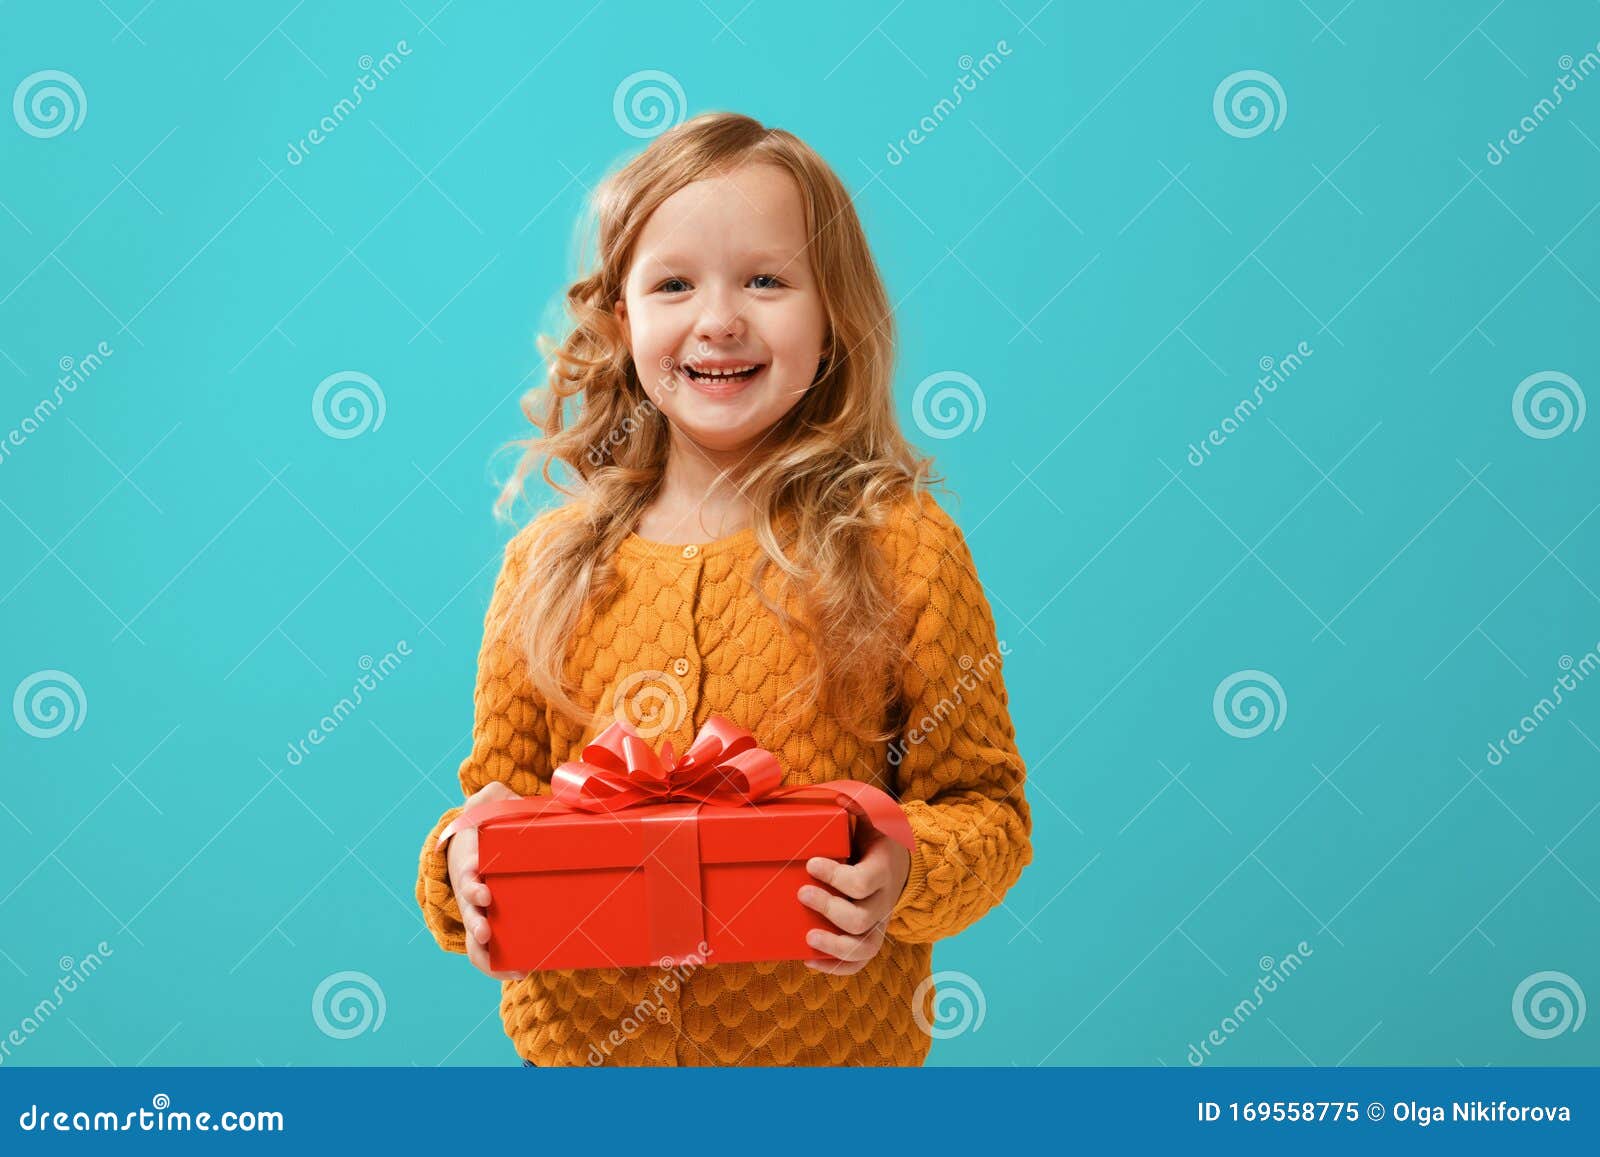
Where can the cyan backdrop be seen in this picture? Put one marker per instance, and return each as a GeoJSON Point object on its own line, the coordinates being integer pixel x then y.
{"type": "Point", "coordinates": [1098, 259]}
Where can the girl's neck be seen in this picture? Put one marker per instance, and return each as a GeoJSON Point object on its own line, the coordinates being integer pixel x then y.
{"type": "Point", "coordinates": [698, 499]}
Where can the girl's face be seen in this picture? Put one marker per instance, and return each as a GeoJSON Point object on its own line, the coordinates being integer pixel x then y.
{"type": "Point", "coordinates": [720, 307]}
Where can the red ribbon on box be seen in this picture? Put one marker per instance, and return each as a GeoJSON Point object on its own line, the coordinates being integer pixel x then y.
{"type": "Point", "coordinates": [724, 766]}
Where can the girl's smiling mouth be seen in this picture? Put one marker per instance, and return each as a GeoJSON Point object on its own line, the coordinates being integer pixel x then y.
{"type": "Point", "coordinates": [721, 379]}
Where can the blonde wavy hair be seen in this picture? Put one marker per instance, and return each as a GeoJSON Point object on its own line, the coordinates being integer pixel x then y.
{"type": "Point", "coordinates": [834, 465]}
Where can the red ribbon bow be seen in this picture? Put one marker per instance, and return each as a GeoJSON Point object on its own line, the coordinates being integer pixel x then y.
{"type": "Point", "coordinates": [724, 765]}
{"type": "Point", "coordinates": [618, 770]}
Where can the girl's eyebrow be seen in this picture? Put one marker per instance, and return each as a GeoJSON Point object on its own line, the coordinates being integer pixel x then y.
{"type": "Point", "coordinates": [681, 259]}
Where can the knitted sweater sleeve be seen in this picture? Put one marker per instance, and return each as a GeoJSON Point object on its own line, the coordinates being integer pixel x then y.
{"type": "Point", "coordinates": [958, 771]}
{"type": "Point", "coordinates": [510, 743]}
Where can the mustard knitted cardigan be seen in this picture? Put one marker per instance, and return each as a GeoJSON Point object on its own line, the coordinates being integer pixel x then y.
{"type": "Point", "coordinates": [687, 634]}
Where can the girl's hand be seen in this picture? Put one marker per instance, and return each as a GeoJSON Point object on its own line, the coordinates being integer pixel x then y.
{"type": "Point", "coordinates": [472, 894]}
{"type": "Point", "coordinates": [873, 884]}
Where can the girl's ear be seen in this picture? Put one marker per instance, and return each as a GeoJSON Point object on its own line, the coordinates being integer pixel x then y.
{"type": "Point", "coordinates": [621, 310]}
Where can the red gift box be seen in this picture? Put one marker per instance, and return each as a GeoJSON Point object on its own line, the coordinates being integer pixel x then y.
{"type": "Point", "coordinates": [638, 859]}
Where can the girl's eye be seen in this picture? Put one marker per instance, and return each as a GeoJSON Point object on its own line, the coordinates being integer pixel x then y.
{"type": "Point", "coordinates": [679, 285]}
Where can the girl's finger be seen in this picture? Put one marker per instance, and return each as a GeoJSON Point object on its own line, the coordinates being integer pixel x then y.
{"type": "Point", "coordinates": [465, 887]}
{"type": "Point", "coordinates": [472, 923]}
{"type": "Point", "coordinates": [840, 947]}
{"type": "Point", "coordinates": [464, 902]}
{"type": "Point", "coordinates": [481, 961]}
{"type": "Point", "coordinates": [873, 866]}
{"type": "Point", "coordinates": [844, 877]}
{"type": "Point", "coordinates": [842, 914]}
{"type": "Point", "coordinates": [479, 956]}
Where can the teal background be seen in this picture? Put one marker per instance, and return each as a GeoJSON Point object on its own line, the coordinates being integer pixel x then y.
{"type": "Point", "coordinates": [1080, 237]}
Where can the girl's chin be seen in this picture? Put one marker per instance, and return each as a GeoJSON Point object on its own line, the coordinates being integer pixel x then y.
{"type": "Point", "coordinates": [723, 433]}
{"type": "Point", "coordinates": [724, 438]}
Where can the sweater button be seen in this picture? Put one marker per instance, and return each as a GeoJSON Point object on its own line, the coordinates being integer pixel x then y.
{"type": "Point", "coordinates": [680, 666]}
{"type": "Point", "coordinates": [691, 550]}
{"type": "Point", "coordinates": [664, 1015]}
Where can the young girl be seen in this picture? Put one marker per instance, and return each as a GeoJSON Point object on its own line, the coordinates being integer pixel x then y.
{"type": "Point", "coordinates": [748, 534]}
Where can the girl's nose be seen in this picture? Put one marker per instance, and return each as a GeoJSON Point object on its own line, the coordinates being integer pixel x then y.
{"type": "Point", "coordinates": [720, 319]}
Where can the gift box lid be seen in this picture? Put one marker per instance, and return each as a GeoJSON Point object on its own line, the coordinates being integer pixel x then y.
{"type": "Point", "coordinates": [766, 832]}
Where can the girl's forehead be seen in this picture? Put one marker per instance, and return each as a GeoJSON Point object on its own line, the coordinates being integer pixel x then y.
{"type": "Point", "coordinates": [759, 203]}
